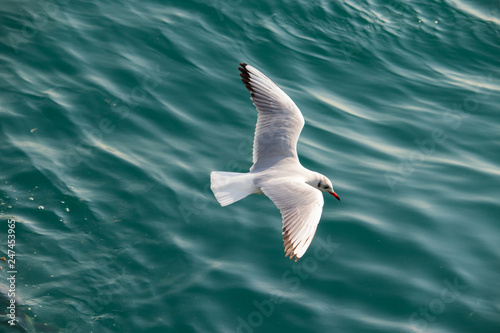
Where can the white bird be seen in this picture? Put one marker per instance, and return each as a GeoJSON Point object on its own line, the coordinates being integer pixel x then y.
{"type": "Point", "coordinates": [276, 170]}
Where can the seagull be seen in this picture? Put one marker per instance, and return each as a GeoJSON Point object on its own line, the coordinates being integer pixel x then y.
{"type": "Point", "coordinates": [276, 171]}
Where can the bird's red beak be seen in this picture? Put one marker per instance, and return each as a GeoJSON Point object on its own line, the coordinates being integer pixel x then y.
{"type": "Point", "coordinates": [335, 195]}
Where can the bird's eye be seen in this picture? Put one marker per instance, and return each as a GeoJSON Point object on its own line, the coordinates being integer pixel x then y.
{"type": "Point", "coordinates": [326, 186]}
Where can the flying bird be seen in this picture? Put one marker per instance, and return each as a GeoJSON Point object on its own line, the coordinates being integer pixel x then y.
{"type": "Point", "coordinates": [276, 170]}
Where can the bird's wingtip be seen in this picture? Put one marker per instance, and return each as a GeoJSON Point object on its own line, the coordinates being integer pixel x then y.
{"type": "Point", "coordinates": [289, 250]}
{"type": "Point", "coordinates": [245, 77]}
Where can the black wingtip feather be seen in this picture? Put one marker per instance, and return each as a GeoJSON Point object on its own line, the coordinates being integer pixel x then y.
{"type": "Point", "coordinates": [245, 77]}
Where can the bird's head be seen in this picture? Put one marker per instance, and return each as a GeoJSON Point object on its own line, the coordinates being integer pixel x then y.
{"type": "Point", "coordinates": [325, 185]}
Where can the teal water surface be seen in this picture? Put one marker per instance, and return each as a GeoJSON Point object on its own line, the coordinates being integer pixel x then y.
{"type": "Point", "coordinates": [114, 113]}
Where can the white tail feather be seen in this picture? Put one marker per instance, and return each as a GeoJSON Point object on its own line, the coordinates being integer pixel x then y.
{"type": "Point", "coordinates": [229, 187]}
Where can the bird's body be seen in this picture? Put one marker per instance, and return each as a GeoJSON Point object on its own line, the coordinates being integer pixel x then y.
{"type": "Point", "coordinates": [276, 170]}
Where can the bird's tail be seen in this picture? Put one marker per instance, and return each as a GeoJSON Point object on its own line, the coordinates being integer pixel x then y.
{"type": "Point", "coordinates": [229, 187]}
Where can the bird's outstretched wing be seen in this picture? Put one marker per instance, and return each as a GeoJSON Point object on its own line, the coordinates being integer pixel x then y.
{"type": "Point", "coordinates": [279, 121]}
{"type": "Point", "coordinates": [300, 206]}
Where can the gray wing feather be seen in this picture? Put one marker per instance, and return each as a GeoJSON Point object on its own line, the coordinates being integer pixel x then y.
{"type": "Point", "coordinates": [279, 120]}
{"type": "Point", "coordinates": [301, 206]}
